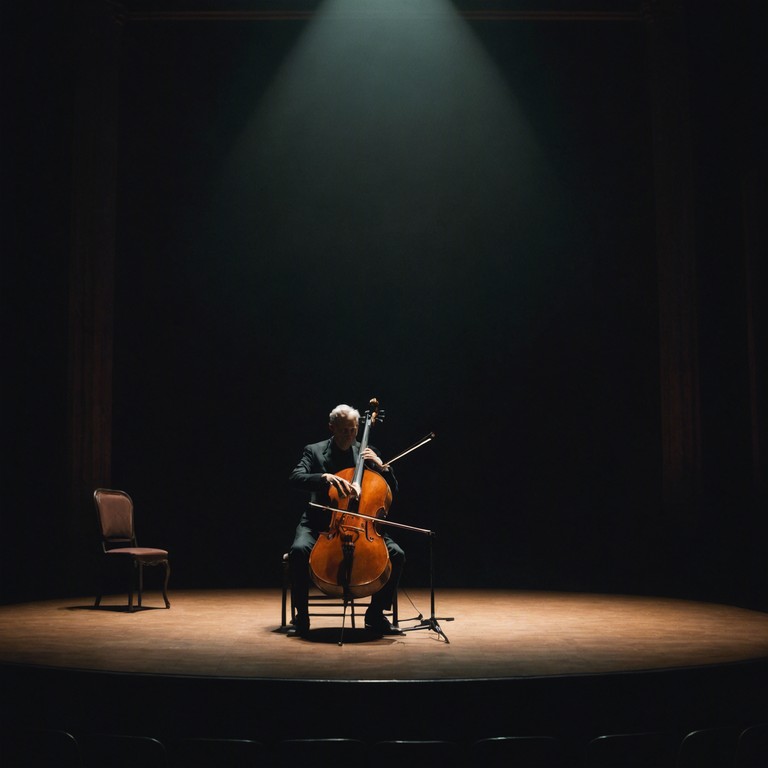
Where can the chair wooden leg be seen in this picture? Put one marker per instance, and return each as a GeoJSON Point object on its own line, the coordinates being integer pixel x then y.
{"type": "Point", "coordinates": [165, 583]}
{"type": "Point", "coordinates": [130, 585]}
{"type": "Point", "coordinates": [284, 596]}
{"type": "Point", "coordinates": [101, 576]}
{"type": "Point", "coordinates": [141, 581]}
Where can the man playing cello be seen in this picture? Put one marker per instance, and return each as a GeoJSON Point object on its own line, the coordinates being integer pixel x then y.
{"type": "Point", "coordinates": [316, 473]}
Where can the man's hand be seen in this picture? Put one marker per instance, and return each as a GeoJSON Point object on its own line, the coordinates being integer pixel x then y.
{"type": "Point", "coordinates": [343, 487]}
{"type": "Point", "coordinates": [370, 455]}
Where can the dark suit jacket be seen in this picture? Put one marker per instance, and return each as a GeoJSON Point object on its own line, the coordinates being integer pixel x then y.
{"type": "Point", "coordinates": [316, 460]}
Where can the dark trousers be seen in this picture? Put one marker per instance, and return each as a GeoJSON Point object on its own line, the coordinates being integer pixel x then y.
{"type": "Point", "coordinates": [301, 549]}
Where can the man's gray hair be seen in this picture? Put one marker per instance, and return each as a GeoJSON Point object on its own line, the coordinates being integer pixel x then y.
{"type": "Point", "coordinates": [343, 412]}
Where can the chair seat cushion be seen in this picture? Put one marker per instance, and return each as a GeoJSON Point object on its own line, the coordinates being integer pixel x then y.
{"type": "Point", "coordinates": [140, 553]}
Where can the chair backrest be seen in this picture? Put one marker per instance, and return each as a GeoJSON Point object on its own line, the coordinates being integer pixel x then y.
{"type": "Point", "coordinates": [520, 752]}
{"type": "Point", "coordinates": [708, 748]}
{"type": "Point", "coordinates": [417, 752]}
{"type": "Point", "coordinates": [115, 515]}
{"type": "Point", "coordinates": [317, 752]}
{"type": "Point", "coordinates": [752, 747]}
{"type": "Point", "coordinates": [201, 752]}
{"type": "Point", "coordinates": [39, 748]}
{"type": "Point", "coordinates": [104, 750]}
{"type": "Point", "coordinates": [651, 749]}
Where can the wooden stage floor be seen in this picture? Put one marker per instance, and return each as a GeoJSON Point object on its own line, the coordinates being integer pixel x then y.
{"type": "Point", "coordinates": [493, 635]}
{"type": "Point", "coordinates": [217, 663]}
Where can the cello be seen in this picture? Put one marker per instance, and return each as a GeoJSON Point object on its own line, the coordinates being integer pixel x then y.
{"type": "Point", "coordinates": [350, 559]}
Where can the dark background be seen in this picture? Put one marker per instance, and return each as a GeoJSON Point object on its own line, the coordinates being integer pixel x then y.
{"type": "Point", "coordinates": [463, 216]}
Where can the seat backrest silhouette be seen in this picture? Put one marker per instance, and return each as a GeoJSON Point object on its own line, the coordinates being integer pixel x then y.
{"type": "Point", "coordinates": [419, 752]}
{"type": "Point", "coordinates": [650, 749]}
{"type": "Point", "coordinates": [520, 752]}
{"type": "Point", "coordinates": [752, 747]}
{"type": "Point", "coordinates": [316, 752]}
{"type": "Point", "coordinates": [217, 753]}
{"type": "Point", "coordinates": [39, 748]}
{"type": "Point", "coordinates": [708, 748]}
{"type": "Point", "coordinates": [104, 750]}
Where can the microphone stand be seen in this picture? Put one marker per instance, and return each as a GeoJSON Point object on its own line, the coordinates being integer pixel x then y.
{"type": "Point", "coordinates": [433, 622]}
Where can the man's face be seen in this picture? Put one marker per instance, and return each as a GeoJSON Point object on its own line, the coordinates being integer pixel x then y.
{"type": "Point", "coordinates": [344, 432]}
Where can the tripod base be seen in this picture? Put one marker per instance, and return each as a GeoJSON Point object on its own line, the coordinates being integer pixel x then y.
{"type": "Point", "coordinates": [432, 623]}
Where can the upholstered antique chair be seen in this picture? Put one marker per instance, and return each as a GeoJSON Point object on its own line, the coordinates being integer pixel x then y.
{"type": "Point", "coordinates": [118, 540]}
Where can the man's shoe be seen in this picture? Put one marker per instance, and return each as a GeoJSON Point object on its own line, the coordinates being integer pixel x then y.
{"type": "Point", "coordinates": [381, 625]}
{"type": "Point", "coordinates": [299, 629]}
